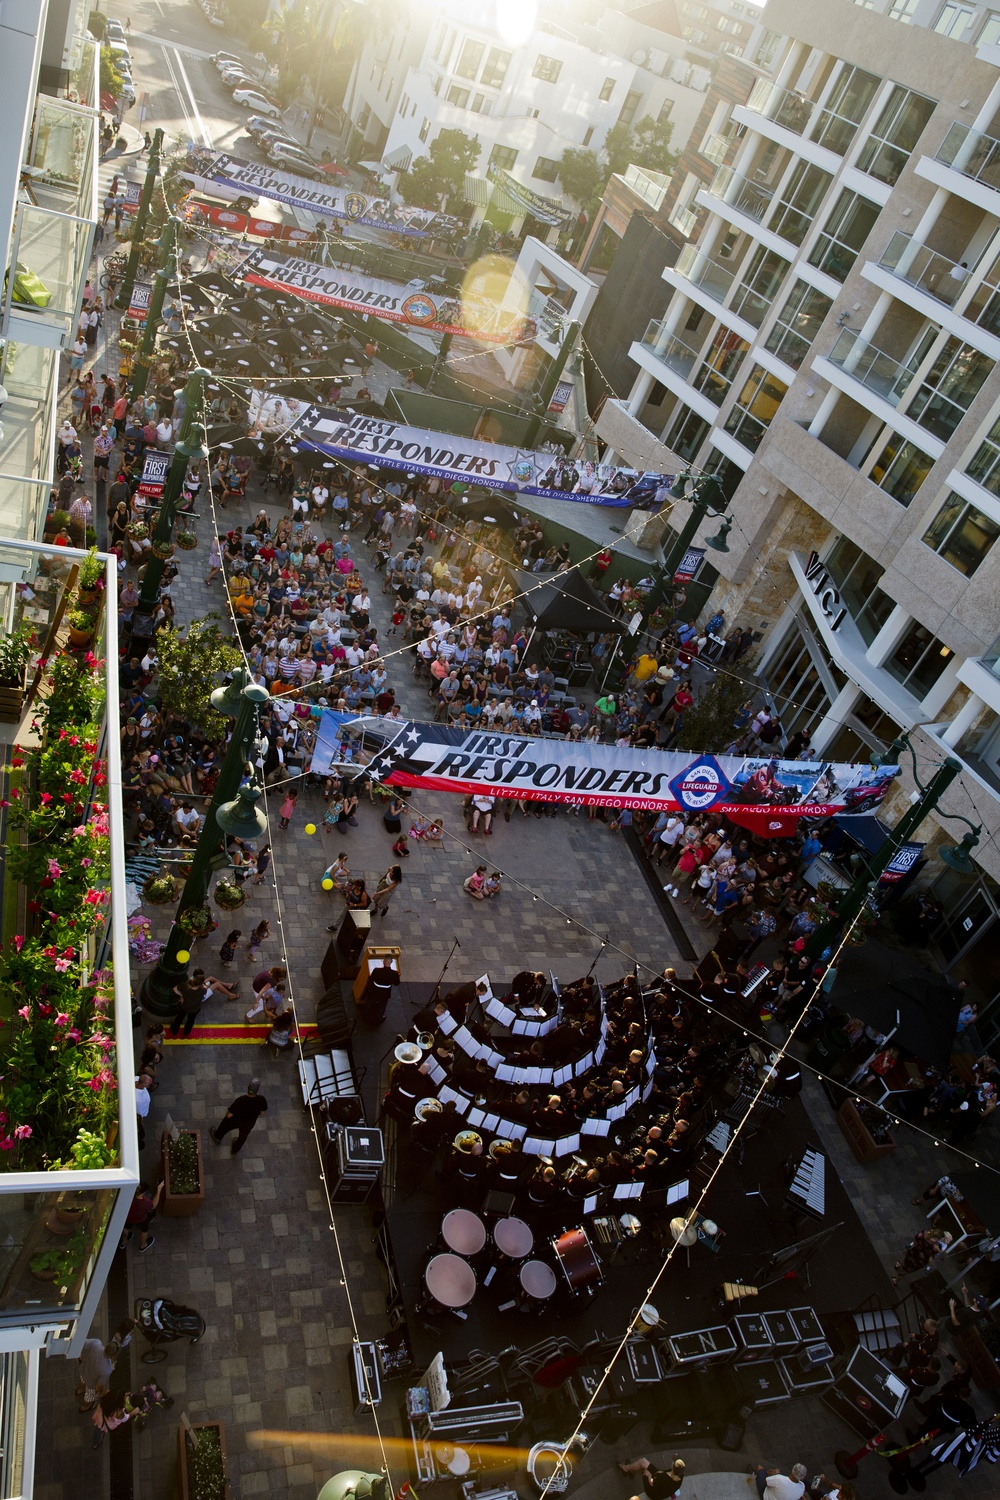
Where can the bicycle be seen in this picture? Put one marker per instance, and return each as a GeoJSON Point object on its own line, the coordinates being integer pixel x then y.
{"type": "Point", "coordinates": [113, 272]}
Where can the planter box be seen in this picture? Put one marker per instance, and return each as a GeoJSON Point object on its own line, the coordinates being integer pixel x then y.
{"type": "Point", "coordinates": [982, 1366]}
{"type": "Point", "coordinates": [180, 1205]}
{"type": "Point", "coordinates": [187, 1492]}
{"type": "Point", "coordinates": [859, 1137]}
{"type": "Point", "coordinates": [12, 702]}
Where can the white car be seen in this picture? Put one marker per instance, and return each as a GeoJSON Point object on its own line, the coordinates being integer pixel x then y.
{"type": "Point", "coordinates": [251, 99]}
{"type": "Point", "coordinates": [227, 60]}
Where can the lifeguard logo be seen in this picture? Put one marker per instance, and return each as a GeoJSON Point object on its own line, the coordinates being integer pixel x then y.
{"type": "Point", "coordinates": [700, 785]}
{"type": "Point", "coordinates": [419, 309]}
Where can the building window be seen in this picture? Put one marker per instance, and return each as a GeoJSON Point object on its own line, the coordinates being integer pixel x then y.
{"type": "Point", "coordinates": [469, 58]}
{"type": "Point", "coordinates": [458, 96]}
{"type": "Point", "coordinates": [629, 109]}
{"type": "Point", "coordinates": [844, 233]}
{"type": "Point", "coordinates": [755, 407]}
{"type": "Point", "coordinates": [798, 323]}
{"type": "Point", "coordinates": [800, 199]}
{"type": "Point", "coordinates": [726, 471]}
{"type": "Point", "coordinates": [900, 469]}
{"type": "Point", "coordinates": [503, 157]}
{"type": "Point", "coordinates": [722, 360]}
{"type": "Point", "coordinates": [425, 127]}
{"type": "Point", "coordinates": [545, 170]}
{"type": "Point", "coordinates": [858, 577]}
{"type": "Point", "coordinates": [547, 69]}
{"type": "Point", "coordinates": [666, 110]}
{"type": "Point", "coordinates": [758, 285]}
{"type": "Point", "coordinates": [984, 466]}
{"type": "Point", "coordinates": [961, 534]}
{"type": "Point", "coordinates": [990, 34]}
{"type": "Point", "coordinates": [767, 49]}
{"type": "Point", "coordinates": [607, 89]}
{"type": "Point", "coordinates": [847, 106]}
{"type": "Point", "coordinates": [895, 134]}
{"type": "Point", "coordinates": [588, 135]}
{"type": "Point", "coordinates": [918, 660]}
{"type": "Point", "coordinates": [949, 388]}
{"type": "Point", "coordinates": [481, 104]}
{"type": "Point", "coordinates": [953, 20]}
{"type": "Point", "coordinates": [687, 433]}
{"type": "Point", "coordinates": [495, 68]}
{"type": "Point", "coordinates": [902, 10]}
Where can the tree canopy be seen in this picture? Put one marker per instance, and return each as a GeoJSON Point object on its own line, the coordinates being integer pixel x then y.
{"type": "Point", "coordinates": [584, 175]}
{"type": "Point", "coordinates": [441, 173]}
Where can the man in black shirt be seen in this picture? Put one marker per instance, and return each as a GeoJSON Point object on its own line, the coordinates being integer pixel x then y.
{"type": "Point", "coordinates": [242, 1116]}
{"type": "Point", "coordinates": [378, 990]}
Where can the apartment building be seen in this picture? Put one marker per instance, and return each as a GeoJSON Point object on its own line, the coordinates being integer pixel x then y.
{"type": "Point", "coordinates": [581, 71]}
{"type": "Point", "coordinates": [830, 350]}
{"type": "Point", "coordinates": [68, 1221]}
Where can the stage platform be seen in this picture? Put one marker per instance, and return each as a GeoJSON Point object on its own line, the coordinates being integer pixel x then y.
{"type": "Point", "coordinates": [747, 1201]}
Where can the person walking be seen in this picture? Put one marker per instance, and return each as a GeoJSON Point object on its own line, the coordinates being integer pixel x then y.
{"type": "Point", "coordinates": [257, 938]}
{"type": "Point", "coordinates": [390, 882]}
{"type": "Point", "coordinates": [142, 1102]}
{"type": "Point", "coordinates": [96, 1360]}
{"type": "Point", "coordinates": [263, 864]}
{"type": "Point", "coordinates": [241, 1116]}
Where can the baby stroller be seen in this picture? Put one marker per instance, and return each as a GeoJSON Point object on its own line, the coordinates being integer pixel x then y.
{"type": "Point", "coordinates": [161, 1321]}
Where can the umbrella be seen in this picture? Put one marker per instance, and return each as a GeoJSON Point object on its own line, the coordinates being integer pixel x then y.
{"type": "Point", "coordinates": [222, 326]}
{"type": "Point", "coordinates": [312, 324]}
{"type": "Point", "coordinates": [284, 340]}
{"type": "Point", "coordinates": [891, 992]}
{"type": "Point", "coordinates": [333, 170]}
{"type": "Point", "coordinates": [248, 360]}
{"type": "Point", "coordinates": [245, 447]}
{"type": "Point", "coordinates": [194, 298]}
{"type": "Point", "coordinates": [203, 351]}
{"type": "Point", "coordinates": [224, 432]}
{"type": "Point", "coordinates": [212, 281]}
{"type": "Point", "coordinates": [250, 311]}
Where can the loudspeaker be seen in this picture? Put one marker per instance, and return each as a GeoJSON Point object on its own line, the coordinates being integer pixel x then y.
{"type": "Point", "coordinates": [345, 1110]}
{"type": "Point", "coordinates": [731, 1440]}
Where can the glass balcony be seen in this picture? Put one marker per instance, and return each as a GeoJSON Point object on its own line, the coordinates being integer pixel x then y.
{"type": "Point", "coordinates": [927, 269]}
{"type": "Point", "coordinates": [972, 153]}
{"type": "Point", "coordinates": [877, 371]}
{"type": "Point", "coordinates": [991, 658]}
{"type": "Point", "coordinates": [715, 148]}
{"type": "Point", "coordinates": [684, 220]}
{"type": "Point", "coordinates": [651, 187]}
{"type": "Point", "coordinates": [750, 198]}
{"type": "Point", "coordinates": [62, 158]}
{"type": "Point", "coordinates": [711, 275]}
{"type": "Point", "coordinates": [667, 347]}
{"type": "Point", "coordinates": [784, 106]}
{"type": "Point", "coordinates": [28, 442]}
{"type": "Point", "coordinates": [51, 252]}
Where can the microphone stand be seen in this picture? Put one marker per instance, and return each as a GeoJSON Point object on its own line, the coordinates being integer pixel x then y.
{"type": "Point", "coordinates": [604, 944]}
{"type": "Point", "coordinates": [437, 988]}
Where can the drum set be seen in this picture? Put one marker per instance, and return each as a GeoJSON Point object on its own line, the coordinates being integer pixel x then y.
{"type": "Point", "coordinates": [468, 1254]}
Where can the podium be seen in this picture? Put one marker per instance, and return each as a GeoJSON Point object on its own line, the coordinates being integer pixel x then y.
{"type": "Point", "coordinates": [353, 934]}
{"type": "Point", "coordinates": [372, 959]}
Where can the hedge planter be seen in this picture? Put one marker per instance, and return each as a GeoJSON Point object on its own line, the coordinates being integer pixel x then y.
{"type": "Point", "coordinates": [860, 1139]}
{"type": "Point", "coordinates": [204, 1468]}
{"type": "Point", "coordinates": [183, 1174]}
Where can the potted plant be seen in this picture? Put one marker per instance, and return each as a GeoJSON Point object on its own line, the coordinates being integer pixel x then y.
{"type": "Point", "coordinates": [183, 1178]}
{"type": "Point", "coordinates": [15, 653]}
{"type": "Point", "coordinates": [228, 894]}
{"type": "Point", "coordinates": [60, 1262]}
{"type": "Point", "coordinates": [867, 1129]}
{"type": "Point", "coordinates": [82, 624]}
{"type": "Point", "coordinates": [196, 921]}
{"type": "Point", "coordinates": [202, 1450]}
{"type": "Point", "coordinates": [163, 550]}
{"type": "Point", "coordinates": [187, 541]}
{"type": "Point", "coordinates": [90, 579]}
{"type": "Point", "coordinates": [70, 1212]}
{"type": "Point", "coordinates": [159, 890]}
{"type": "Point", "coordinates": [137, 530]}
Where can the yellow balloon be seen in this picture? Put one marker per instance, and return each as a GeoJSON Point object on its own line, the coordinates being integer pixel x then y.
{"type": "Point", "coordinates": [310, 828]}
{"type": "Point", "coordinates": [328, 884]}
{"type": "Point", "coordinates": [182, 955]}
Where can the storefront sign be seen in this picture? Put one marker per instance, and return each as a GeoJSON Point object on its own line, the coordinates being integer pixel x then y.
{"type": "Point", "coordinates": [689, 564]}
{"type": "Point", "coordinates": [254, 179]}
{"type": "Point", "coordinates": [470, 762]}
{"type": "Point", "coordinates": [139, 301]}
{"type": "Point", "coordinates": [154, 475]}
{"type": "Point", "coordinates": [826, 591]}
{"type": "Point", "coordinates": [389, 301]}
{"type": "Point", "coordinates": [545, 210]}
{"type": "Point", "coordinates": [390, 445]}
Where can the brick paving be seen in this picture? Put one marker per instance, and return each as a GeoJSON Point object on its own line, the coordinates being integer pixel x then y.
{"type": "Point", "coordinates": [259, 1261]}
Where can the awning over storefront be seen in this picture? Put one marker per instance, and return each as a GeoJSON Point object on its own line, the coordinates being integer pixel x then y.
{"type": "Point", "coordinates": [545, 210]}
{"type": "Point", "coordinates": [398, 160]}
{"type": "Point", "coordinates": [484, 194]}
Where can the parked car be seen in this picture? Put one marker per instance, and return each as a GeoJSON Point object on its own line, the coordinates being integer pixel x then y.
{"type": "Point", "coordinates": [114, 31]}
{"type": "Point", "coordinates": [238, 78]}
{"type": "Point", "coordinates": [295, 158]}
{"type": "Point", "coordinates": [228, 60]}
{"type": "Point", "coordinates": [254, 99]}
{"type": "Point", "coordinates": [259, 125]}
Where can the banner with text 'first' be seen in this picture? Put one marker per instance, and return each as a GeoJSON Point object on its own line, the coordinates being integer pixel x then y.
{"type": "Point", "coordinates": [768, 796]}
{"type": "Point", "coordinates": [252, 179]}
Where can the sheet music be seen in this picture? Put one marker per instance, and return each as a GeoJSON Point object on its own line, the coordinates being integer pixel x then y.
{"type": "Point", "coordinates": [506, 1073]}
{"type": "Point", "coordinates": [435, 1070]}
{"type": "Point", "coordinates": [491, 1123]}
{"type": "Point", "coordinates": [514, 1130]}
{"type": "Point", "coordinates": [446, 1023]}
{"type": "Point", "coordinates": [476, 1117]}
{"type": "Point", "coordinates": [624, 1190]}
{"type": "Point", "coordinates": [464, 1038]}
{"type": "Point", "coordinates": [485, 979]}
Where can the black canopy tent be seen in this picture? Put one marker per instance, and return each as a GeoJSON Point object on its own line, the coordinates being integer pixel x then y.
{"type": "Point", "coordinates": [898, 998]}
{"type": "Point", "coordinates": [566, 601]}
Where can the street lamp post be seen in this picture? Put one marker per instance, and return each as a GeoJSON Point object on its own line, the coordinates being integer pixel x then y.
{"type": "Point", "coordinates": [548, 386]}
{"type": "Point", "coordinates": [154, 312]}
{"type": "Point", "coordinates": [228, 812]}
{"type": "Point", "coordinates": [707, 499]}
{"type": "Point", "coordinates": [139, 223]}
{"type": "Point", "coordinates": [189, 446]}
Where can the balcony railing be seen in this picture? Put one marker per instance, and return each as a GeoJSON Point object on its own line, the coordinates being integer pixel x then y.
{"type": "Point", "coordinates": [750, 198]}
{"type": "Point", "coordinates": [715, 148]}
{"type": "Point", "coordinates": [667, 347]}
{"type": "Point", "coordinates": [932, 272]}
{"type": "Point", "coordinates": [51, 252]}
{"type": "Point", "coordinates": [62, 158]}
{"type": "Point", "coordinates": [651, 187]}
{"type": "Point", "coordinates": [972, 153]}
{"type": "Point", "coordinates": [713, 277]}
{"type": "Point", "coordinates": [875, 369]}
{"type": "Point", "coordinates": [783, 106]}
{"type": "Point", "coordinates": [684, 220]}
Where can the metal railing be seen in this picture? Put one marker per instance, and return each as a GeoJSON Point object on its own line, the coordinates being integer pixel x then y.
{"type": "Point", "coordinates": [875, 369]}
{"type": "Point", "coordinates": [669, 348]}
{"type": "Point", "coordinates": [927, 269]}
{"type": "Point", "coordinates": [972, 153]}
{"type": "Point", "coordinates": [711, 275]}
{"type": "Point", "coordinates": [784, 106]}
{"type": "Point", "coordinates": [750, 198]}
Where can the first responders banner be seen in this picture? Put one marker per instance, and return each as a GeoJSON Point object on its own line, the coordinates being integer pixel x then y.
{"type": "Point", "coordinates": [211, 170]}
{"type": "Point", "coordinates": [390, 301]}
{"type": "Point", "coordinates": [441, 455]}
{"type": "Point", "coordinates": [767, 796]}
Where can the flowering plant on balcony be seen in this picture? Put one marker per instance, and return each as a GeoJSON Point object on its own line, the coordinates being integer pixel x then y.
{"type": "Point", "coordinates": [58, 1099]}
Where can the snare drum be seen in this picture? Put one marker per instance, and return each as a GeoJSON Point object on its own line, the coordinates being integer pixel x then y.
{"type": "Point", "coordinates": [513, 1237]}
{"type": "Point", "coordinates": [463, 1231]}
{"type": "Point", "coordinates": [577, 1260]}
{"type": "Point", "coordinates": [538, 1280]}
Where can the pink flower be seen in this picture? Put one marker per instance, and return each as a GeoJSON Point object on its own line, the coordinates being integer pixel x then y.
{"type": "Point", "coordinates": [62, 1019]}
{"type": "Point", "coordinates": [50, 951]}
{"type": "Point", "coordinates": [73, 1034]}
{"type": "Point", "coordinates": [44, 1010]}
{"type": "Point", "coordinates": [45, 798]}
{"type": "Point", "coordinates": [77, 777]}
{"type": "Point", "coordinates": [95, 898]}
{"type": "Point", "coordinates": [18, 941]}
{"type": "Point", "coordinates": [74, 739]}
{"type": "Point", "coordinates": [68, 952]}
{"type": "Point", "coordinates": [22, 1132]}
{"type": "Point", "coordinates": [61, 965]}
{"type": "Point", "coordinates": [55, 869]}
{"type": "Point", "coordinates": [25, 1011]}
{"type": "Point", "coordinates": [95, 1084]}
{"type": "Point", "coordinates": [86, 863]}
{"type": "Point", "coordinates": [7, 1144]}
